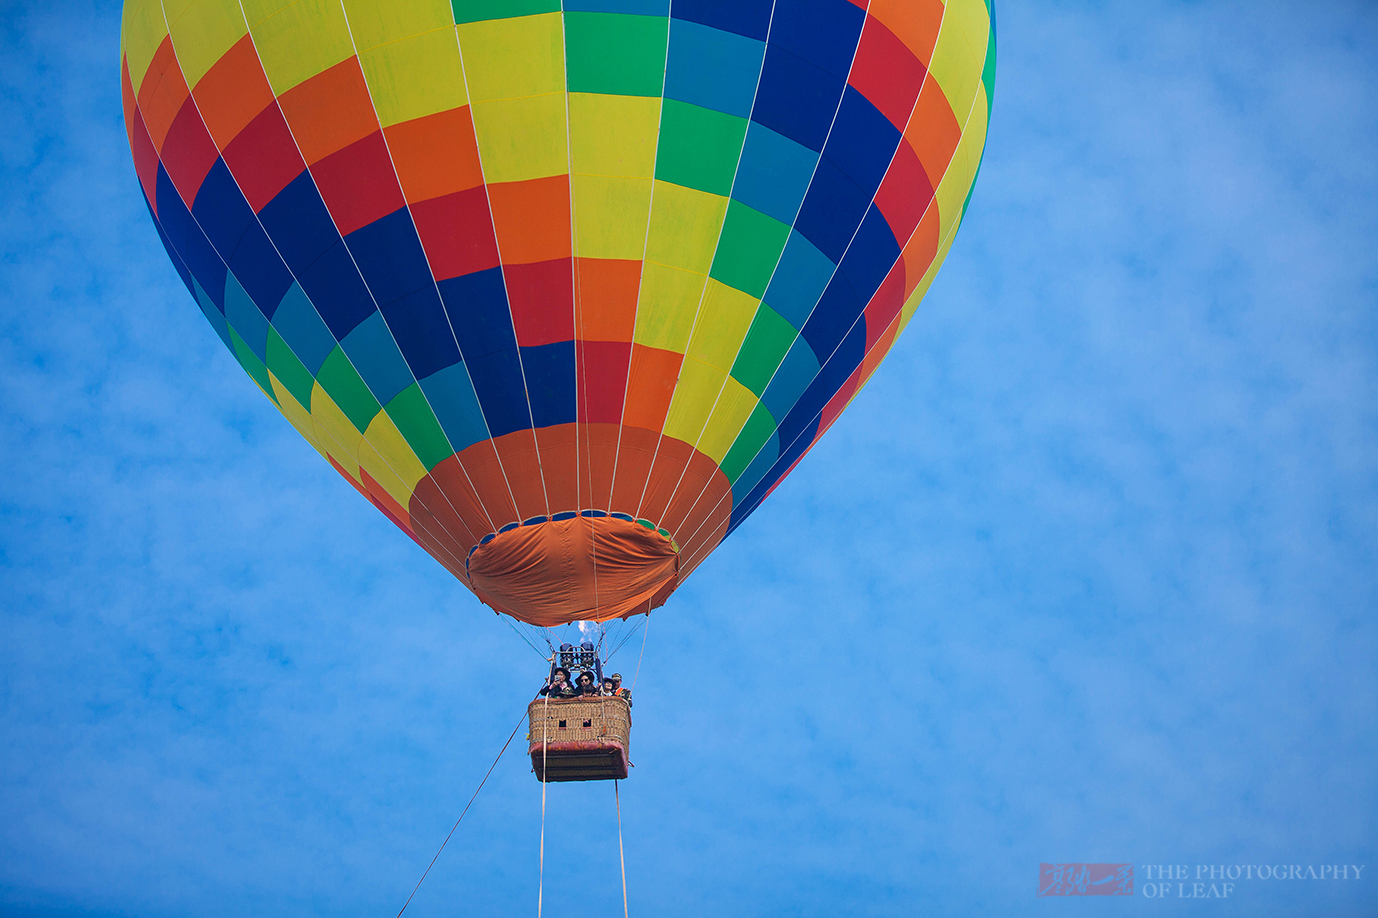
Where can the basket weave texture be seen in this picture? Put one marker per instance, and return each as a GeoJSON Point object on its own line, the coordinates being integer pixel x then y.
{"type": "Point", "coordinates": [574, 720]}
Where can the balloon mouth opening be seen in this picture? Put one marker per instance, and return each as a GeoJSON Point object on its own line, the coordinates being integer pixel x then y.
{"type": "Point", "coordinates": [574, 566]}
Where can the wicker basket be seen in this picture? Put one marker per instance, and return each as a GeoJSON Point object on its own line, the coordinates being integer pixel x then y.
{"type": "Point", "coordinates": [579, 739]}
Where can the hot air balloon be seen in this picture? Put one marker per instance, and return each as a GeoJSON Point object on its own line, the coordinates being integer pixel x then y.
{"type": "Point", "coordinates": [564, 290]}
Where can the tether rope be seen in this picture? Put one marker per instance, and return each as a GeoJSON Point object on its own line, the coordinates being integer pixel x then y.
{"type": "Point", "coordinates": [461, 816]}
{"type": "Point", "coordinates": [620, 856]}
{"type": "Point", "coordinates": [545, 726]}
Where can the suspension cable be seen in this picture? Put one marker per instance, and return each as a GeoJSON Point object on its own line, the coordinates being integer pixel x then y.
{"type": "Point", "coordinates": [625, 635]}
{"type": "Point", "coordinates": [461, 816]}
{"type": "Point", "coordinates": [620, 856]}
{"type": "Point", "coordinates": [644, 632]}
{"type": "Point", "coordinates": [522, 636]}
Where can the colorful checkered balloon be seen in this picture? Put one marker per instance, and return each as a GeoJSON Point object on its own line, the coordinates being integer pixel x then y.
{"type": "Point", "coordinates": [564, 290]}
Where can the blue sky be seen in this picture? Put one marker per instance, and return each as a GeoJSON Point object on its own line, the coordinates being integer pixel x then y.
{"type": "Point", "coordinates": [1087, 573]}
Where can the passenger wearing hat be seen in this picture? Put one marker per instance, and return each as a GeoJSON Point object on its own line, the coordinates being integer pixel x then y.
{"type": "Point", "coordinates": [607, 687]}
{"type": "Point", "coordinates": [617, 689]}
{"type": "Point", "coordinates": [585, 686]}
{"type": "Point", "coordinates": [558, 685]}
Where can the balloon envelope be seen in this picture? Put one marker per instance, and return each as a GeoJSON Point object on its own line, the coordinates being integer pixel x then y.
{"type": "Point", "coordinates": [564, 292]}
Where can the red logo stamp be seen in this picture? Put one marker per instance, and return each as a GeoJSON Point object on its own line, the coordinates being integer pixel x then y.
{"type": "Point", "coordinates": [1086, 879]}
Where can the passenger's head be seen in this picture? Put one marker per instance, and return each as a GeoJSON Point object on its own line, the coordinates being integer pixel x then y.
{"type": "Point", "coordinates": [608, 684]}
{"type": "Point", "coordinates": [561, 675]}
{"type": "Point", "coordinates": [616, 680]}
{"type": "Point", "coordinates": [586, 678]}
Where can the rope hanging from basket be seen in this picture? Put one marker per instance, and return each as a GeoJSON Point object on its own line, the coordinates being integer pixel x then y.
{"type": "Point", "coordinates": [622, 859]}
{"type": "Point", "coordinates": [461, 816]}
{"type": "Point", "coordinates": [545, 726]}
